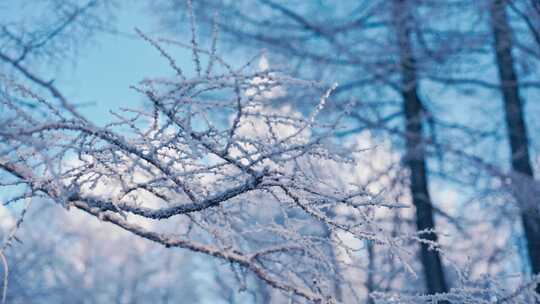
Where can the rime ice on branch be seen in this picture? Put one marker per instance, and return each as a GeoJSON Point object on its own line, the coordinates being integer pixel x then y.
{"type": "Point", "coordinates": [240, 177]}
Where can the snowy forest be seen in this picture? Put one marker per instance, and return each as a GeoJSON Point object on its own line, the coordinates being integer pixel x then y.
{"type": "Point", "coordinates": [270, 151]}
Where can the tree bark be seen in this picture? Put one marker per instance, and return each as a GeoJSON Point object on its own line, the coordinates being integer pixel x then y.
{"type": "Point", "coordinates": [415, 152]}
{"type": "Point", "coordinates": [517, 133]}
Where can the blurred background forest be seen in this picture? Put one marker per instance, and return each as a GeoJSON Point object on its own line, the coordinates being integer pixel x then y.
{"type": "Point", "coordinates": [440, 96]}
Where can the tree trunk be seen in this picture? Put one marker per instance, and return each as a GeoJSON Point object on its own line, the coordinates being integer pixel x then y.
{"type": "Point", "coordinates": [415, 152]}
{"type": "Point", "coordinates": [517, 133]}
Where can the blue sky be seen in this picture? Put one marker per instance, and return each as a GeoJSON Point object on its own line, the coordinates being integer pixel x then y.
{"type": "Point", "coordinates": [106, 67]}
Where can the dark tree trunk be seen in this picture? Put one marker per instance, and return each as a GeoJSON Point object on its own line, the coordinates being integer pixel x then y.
{"type": "Point", "coordinates": [517, 132]}
{"type": "Point", "coordinates": [415, 152]}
